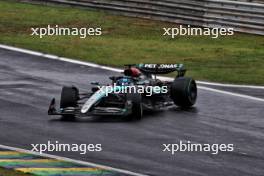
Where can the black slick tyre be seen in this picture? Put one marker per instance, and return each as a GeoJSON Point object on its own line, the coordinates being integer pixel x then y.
{"type": "Point", "coordinates": [137, 109]}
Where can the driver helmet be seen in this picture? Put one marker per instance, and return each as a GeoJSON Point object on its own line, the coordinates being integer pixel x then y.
{"type": "Point", "coordinates": [133, 72]}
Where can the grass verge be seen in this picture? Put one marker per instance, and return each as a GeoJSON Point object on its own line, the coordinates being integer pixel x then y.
{"type": "Point", "coordinates": [9, 172]}
{"type": "Point", "coordinates": [233, 59]}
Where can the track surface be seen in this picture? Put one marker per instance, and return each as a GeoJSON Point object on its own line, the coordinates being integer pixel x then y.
{"type": "Point", "coordinates": [27, 83]}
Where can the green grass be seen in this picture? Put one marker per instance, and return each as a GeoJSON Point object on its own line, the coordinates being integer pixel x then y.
{"type": "Point", "coordinates": [9, 172]}
{"type": "Point", "coordinates": [233, 59]}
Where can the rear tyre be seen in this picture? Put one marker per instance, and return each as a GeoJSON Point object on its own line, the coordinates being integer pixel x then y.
{"type": "Point", "coordinates": [69, 98]}
{"type": "Point", "coordinates": [184, 92]}
{"type": "Point", "coordinates": [137, 109]}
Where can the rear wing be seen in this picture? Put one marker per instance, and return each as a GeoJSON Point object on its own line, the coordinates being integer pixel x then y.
{"type": "Point", "coordinates": [162, 68]}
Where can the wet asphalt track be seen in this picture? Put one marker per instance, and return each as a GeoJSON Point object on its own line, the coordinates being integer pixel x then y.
{"type": "Point", "coordinates": [28, 83]}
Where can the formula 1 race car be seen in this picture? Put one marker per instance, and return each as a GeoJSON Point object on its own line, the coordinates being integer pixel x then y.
{"type": "Point", "coordinates": [130, 94]}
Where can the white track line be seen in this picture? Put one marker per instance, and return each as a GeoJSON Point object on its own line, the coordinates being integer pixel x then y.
{"type": "Point", "coordinates": [119, 70]}
{"type": "Point", "coordinates": [230, 85]}
{"type": "Point", "coordinates": [89, 164]}
{"type": "Point", "coordinates": [49, 56]}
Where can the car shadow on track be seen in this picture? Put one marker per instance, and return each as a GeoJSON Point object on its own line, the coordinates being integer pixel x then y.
{"type": "Point", "coordinates": [108, 119]}
{"type": "Point", "coordinates": [179, 109]}
{"type": "Point", "coordinates": [115, 119]}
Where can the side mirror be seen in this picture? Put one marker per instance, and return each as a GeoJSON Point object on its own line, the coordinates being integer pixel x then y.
{"type": "Point", "coordinates": [95, 83]}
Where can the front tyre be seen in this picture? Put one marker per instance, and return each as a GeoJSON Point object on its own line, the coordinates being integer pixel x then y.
{"type": "Point", "coordinates": [69, 98]}
{"type": "Point", "coordinates": [137, 109]}
{"type": "Point", "coordinates": [184, 92]}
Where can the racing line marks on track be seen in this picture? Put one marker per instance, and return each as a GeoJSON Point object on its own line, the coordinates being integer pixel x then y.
{"type": "Point", "coordinates": [50, 165]}
{"type": "Point", "coordinates": [89, 64]}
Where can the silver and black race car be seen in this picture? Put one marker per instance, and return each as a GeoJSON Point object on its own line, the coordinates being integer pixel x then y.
{"type": "Point", "coordinates": [129, 95]}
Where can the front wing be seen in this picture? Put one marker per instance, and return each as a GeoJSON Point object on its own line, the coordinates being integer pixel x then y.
{"type": "Point", "coordinates": [95, 111]}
